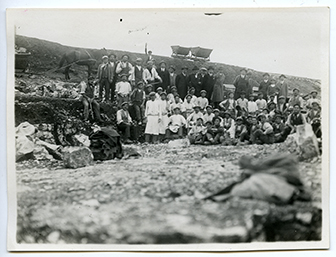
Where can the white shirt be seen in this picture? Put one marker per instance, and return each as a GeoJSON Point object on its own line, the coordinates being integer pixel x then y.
{"type": "Point", "coordinates": [123, 88]}
{"type": "Point", "coordinates": [261, 103]}
{"type": "Point", "coordinates": [177, 119]}
{"type": "Point", "coordinates": [153, 108]}
{"type": "Point", "coordinates": [252, 106]}
{"type": "Point", "coordinates": [208, 117]}
{"type": "Point", "coordinates": [150, 76]}
{"type": "Point", "coordinates": [120, 114]}
{"type": "Point", "coordinates": [202, 102]}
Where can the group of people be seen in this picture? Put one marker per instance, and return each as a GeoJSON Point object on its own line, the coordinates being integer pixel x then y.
{"type": "Point", "coordinates": [196, 105]}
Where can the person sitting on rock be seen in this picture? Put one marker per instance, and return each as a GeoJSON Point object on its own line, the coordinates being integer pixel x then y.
{"type": "Point", "coordinates": [216, 112]}
{"type": "Point", "coordinates": [209, 136]}
{"type": "Point", "coordinates": [265, 134]}
{"type": "Point", "coordinates": [295, 118]}
{"type": "Point", "coordinates": [87, 98]}
{"type": "Point", "coordinates": [197, 132]}
{"type": "Point", "coordinates": [218, 131]}
{"type": "Point", "coordinates": [124, 122]}
{"type": "Point", "coordinates": [176, 124]}
{"type": "Point", "coordinates": [228, 124]}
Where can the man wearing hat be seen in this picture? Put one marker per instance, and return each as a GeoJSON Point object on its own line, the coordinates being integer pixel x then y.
{"type": "Point", "coordinates": [273, 89]}
{"type": "Point", "coordinates": [296, 98]}
{"type": "Point", "coordinates": [282, 105]}
{"type": "Point", "coordinates": [209, 115]}
{"type": "Point", "coordinates": [123, 89]}
{"type": "Point", "coordinates": [164, 107]}
{"type": "Point", "coordinates": [295, 118]}
{"type": "Point", "coordinates": [176, 124]}
{"type": "Point", "coordinates": [279, 129]}
{"type": "Point", "coordinates": [202, 101]}
{"type": "Point", "coordinates": [241, 83]}
{"type": "Point", "coordinates": [192, 118]}
{"type": "Point", "coordinates": [240, 130]}
{"type": "Point", "coordinates": [172, 77]}
{"type": "Point", "coordinates": [195, 81]}
{"type": "Point", "coordinates": [265, 134]}
{"type": "Point", "coordinates": [113, 63]}
{"type": "Point", "coordinates": [197, 132]}
{"type": "Point", "coordinates": [283, 86]}
{"type": "Point", "coordinates": [151, 76]}
{"type": "Point", "coordinates": [210, 82]}
{"type": "Point", "coordinates": [124, 122]}
{"type": "Point", "coordinates": [181, 82]}
{"type": "Point", "coordinates": [314, 118]}
{"type": "Point", "coordinates": [138, 98]}
{"type": "Point", "coordinates": [154, 115]}
{"type": "Point", "coordinates": [87, 98]}
{"type": "Point", "coordinates": [263, 87]}
{"type": "Point", "coordinates": [138, 72]}
{"type": "Point", "coordinates": [105, 77]}
{"type": "Point", "coordinates": [164, 75]}
{"type": "Point", "coordinates": [313, 98]}
{"type": "Point", "coordinates": [124, 67]}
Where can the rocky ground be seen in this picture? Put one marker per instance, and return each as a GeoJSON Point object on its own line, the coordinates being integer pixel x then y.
{"type": "Point", "coordinates": [155, 199]}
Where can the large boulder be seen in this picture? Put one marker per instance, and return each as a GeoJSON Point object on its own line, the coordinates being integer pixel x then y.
{"type": "Point", "coordinates": [76, 157]}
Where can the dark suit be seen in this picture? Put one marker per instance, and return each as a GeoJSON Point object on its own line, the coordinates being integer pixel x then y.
{"type": "Point", "coordinates": [181, 83]}
{"type": "Point", "coordinates": [164, 75]}
{"type": "Point", "coordinates": [241, 85]}
{"type": "Point", "coordinates": [209, 85]}
{"type": "Point", "coordinates": [105, 77]}
{"type": "Point", "coordinates": [264, 87]}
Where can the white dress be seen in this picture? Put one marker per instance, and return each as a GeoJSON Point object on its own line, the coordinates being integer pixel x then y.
{"type": "Point", "coordinates": [163, 125]}
{"type": "Point", "coordinates": [153, 114]}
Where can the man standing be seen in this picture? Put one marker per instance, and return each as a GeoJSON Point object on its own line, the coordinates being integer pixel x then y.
{"type": "Point", "coordinates": [172, 77]}
{"type": "Point", "coordinates": [264, 85]}
{"type": "Point", "coordinates": [151, 75]}
{"type": "Point", "coordinates": [138, 72]}
{"type": "Point", "coordinates": [210, 82]}
{"type": "Point", "coordinates": [87, 98]}
{"type": "Point", "coordinates": [283, 87]}
{"type": "Point", "coordinates": [113, 64]}
{"type": "Point", "coordinates": [296, 98]}
{"type": "Point", "coordinates": [241, 83]}
{"type": "Point", "coordinates": [164, 75]}
{"type": "Point", "coordinates": [202, 78]}
{"type": "Point", "coordinates": [182, 82]}
{"type": "Point", "coordinates": [124, 122]}
{"type": "Point", "coordinates": [193, 81]}
{"type": "Point", "coordinates": [124, 67]}
{"type": "Point", "coordinates": [105, 77]}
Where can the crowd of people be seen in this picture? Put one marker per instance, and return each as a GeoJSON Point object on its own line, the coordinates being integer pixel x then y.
{"type": "Point", "coordinates": [196, 104]}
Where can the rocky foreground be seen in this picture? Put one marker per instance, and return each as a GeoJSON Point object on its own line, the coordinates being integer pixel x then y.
{"type": "Point", "coordinates": [155, 199]}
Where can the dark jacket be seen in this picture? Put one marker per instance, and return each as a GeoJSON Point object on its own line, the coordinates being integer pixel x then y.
{"type": "Point", "coordinates": [241, 85]}
{"type": "Point", "coordinates": [181, 83]}
{"type": "Point", "coordinates": [164, 75]}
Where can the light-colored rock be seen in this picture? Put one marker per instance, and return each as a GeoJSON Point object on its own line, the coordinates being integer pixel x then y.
{"type": "Point", "coordinates": [76, 157]}
{"type": "Point", "coordinates": [179, 143]}
{"type": "Point", "coordinates": [305, 218]}
{"type": "Point", "coordinates": [53, 237]}
{"type": "Point", "coordinates": [232, 235]}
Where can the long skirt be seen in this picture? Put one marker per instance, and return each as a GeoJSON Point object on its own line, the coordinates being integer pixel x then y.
{"type": "Point", "coordinates": [152, 126]}
{"type": "Point", "coordinates": [163, 125]}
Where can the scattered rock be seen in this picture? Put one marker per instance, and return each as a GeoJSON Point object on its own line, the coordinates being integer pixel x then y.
{"type": "Point", "coordinates": [91, 203]}
{"type": "Point", "coordinates": [305, 218]}
{"type": "Point", "coordinates": [76, 157]}
{"type": "Point", "coordinates": [232, 235]}
{"type": "Point", "coordinates": [179, 143]}
{"type": "Point", "coordinates": [53, 237]}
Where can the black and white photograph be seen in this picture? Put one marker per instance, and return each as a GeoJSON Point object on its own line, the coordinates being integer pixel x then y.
{"type": "Point", "coordinates": [168, 129]}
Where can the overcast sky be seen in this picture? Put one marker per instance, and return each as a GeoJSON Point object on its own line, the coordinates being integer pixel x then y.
{"type": "Point", "coordinates": [290, 41]}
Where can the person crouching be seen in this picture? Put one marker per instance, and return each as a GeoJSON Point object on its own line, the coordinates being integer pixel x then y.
{"type": "Point", "coordinates": [124, 122]}
{"type": "Point", "coordinates": [176, 124]}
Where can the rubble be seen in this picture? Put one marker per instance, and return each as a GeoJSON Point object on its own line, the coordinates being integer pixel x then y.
{"type": "Point", "coordinates": [76, 157]}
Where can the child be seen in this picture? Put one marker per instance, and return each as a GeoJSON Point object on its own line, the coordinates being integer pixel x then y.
{"type": "Point", "coordinates": [202, 101]}
{"type": "Point", "coordinates": [138, 98]}
{"type": "Point", "coordinates": [261, 102]}
{"type": "Point", "coordinates": [209, 135]}
{"type": "Point", "coordinates": [193, 97]}
{"type": "Point", "coordinates": [171, 95]}
{"type": "Point", "coordinates": [271, 111]}
{"type": "Point", "coordinates": [240, 130]}
{"type": "Point", "coordinates": [216, 112]}
{"type": "Point", "coordinates": [191, 120]}
{"type": "Point", "coordinates": [208, 116]}
{"type": "Point", "coordinates": [218, 131]}
{"type": "Point", "coordinates": [252, 105]}
{"type": "Point", "coordinates": [197, 132]}
{"type": "Point", "coordinates": [279, 127]}
{"type": "Point", "coordinates": [242, 103]}
{"type": "Point", "coordinates": [154, 116]}
{"type": "Point", "coordinates": [228, 124]}
{"type": "Point", "coordinates": [159, 90]}
{"type": "Point", "coordinates": [176, 103]}
{"type": "Point", "coordinates": [123, 90]}
{"type": "Point", "coordinates": [176, 124]}
{"type": "Point", "coordinates": [229, 104]}
{"type": "Point", "coordinates": [188, 106]}
{"type": "Point", "coordinates": [164, 107]}
{"type": "Point", "coordinates": [271, 99]}
{"type": "Point", "coordinates": [149, 89]}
